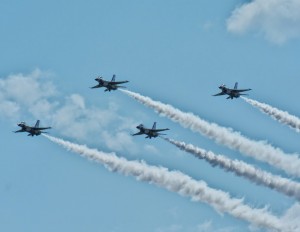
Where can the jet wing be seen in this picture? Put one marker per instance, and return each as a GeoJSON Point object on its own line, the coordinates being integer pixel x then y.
{"type": "Point", "coordinates": [96, 86]}
{"type": "Point", "coordinates": [43, 128]}
{"type": "Point", "coordinates": [21, 130]}
{"type": "Point", "coordinates": [219, 94]}
{"type": "Point", "coordinates": [158, 130]}
{"type": "Point", "coordinates": [117, 82]}
{"type": "Point", "coordinates": [139, 133]}
{"type": "Point", "coordinates": [242, 90]}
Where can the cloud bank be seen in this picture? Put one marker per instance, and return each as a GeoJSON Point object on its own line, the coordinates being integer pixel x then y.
{"type": "Point", "coordinates": [20, 91]}
{"type": "Point", "coordinates": [277, 20]}
{"type": "Point", "coordinates": [291, 217]}
{"type": "Point", "coordinates": [33, 96]}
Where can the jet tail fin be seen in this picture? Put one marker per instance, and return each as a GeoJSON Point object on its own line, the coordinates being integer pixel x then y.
{"type": "Point", "coordinates": [154, 126]}
{"type": "Point", "coordinates": [235, 85]}
{"type": "Point", "coordinates": [37, 124]}
{"type": "Point", "coordinates": [113, 78]}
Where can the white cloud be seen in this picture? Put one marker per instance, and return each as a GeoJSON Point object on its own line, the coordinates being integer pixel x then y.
{"type": "Point", "coordinates": [208, 25]}
{"type": "Point", "coordinates": [291, 217]}
{"type": "Point", "coordinates": [206, 226]}
{"type": "Point", "coordinates": [76, 120]}
{"type": "Point", "coordinates": [27, 89]}
{"type": "Point", "coordinates": [172, 228]}
{"type": "Point", "coordinates": [151, 149]}
{"type": "Point", "coordinates": [25, 92]}
{"type": "Point", "coordinates": [8, 108]}
{"type": "Point", "coordinates": [277, 20]}
{"type": "Point", "coordinates": [253, 228]}
{"type": "Point", "coordinates": [34, 96]}
{"type": "Point", "coordinates": [119, 141]}
{"type": "Point", "coordinates": [43, 108]}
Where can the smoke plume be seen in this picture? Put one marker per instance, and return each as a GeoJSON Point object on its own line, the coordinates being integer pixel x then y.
{"type": "Point", "coordinates": [259, 150]}
{"type": "Point", "coordinates": [178, 182]}
{"type": "Point", "coordinates": [279, 115]}
{"type": "Point", "coordinates": [240, 168]}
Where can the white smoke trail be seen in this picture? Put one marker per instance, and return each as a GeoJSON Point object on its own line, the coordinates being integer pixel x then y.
{"type": "Point", "coordinates": [259, 150]}
{"type": "Point", "coordinates": [178, 182]}
{"type": "Point", "coordinates": [240, 168]}
{"type": "Point", "coordinates": [279, 115]}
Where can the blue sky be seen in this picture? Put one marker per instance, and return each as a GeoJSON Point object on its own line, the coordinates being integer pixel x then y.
{"type": "Point", "coordinates": [176, 52]}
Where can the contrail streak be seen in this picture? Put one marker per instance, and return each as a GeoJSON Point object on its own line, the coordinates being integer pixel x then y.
{"type": "Point", "coordinates": [178, 182]}
{"type": "Point", "coordinates": [259, 150]}
{"type": "Point", "coordinates": [279, 115]}
{"type": "Point", "coordinates": [240, 168]}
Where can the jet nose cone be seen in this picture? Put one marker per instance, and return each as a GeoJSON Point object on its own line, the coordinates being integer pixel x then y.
{"type": "Point", "coordinates": [221, 86]}
{"type": "Point", "coordinates": [139, 126]}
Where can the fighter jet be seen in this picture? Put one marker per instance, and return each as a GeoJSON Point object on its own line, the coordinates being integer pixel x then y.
{"type": "Point", "coordinates": [149, 132]}
{"type": "Point", "coordinates": [232, 93]}
{"type": "Point", "coordinates": [32, 130]}
{"type": "Point", "coordinates": [109, 85]}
